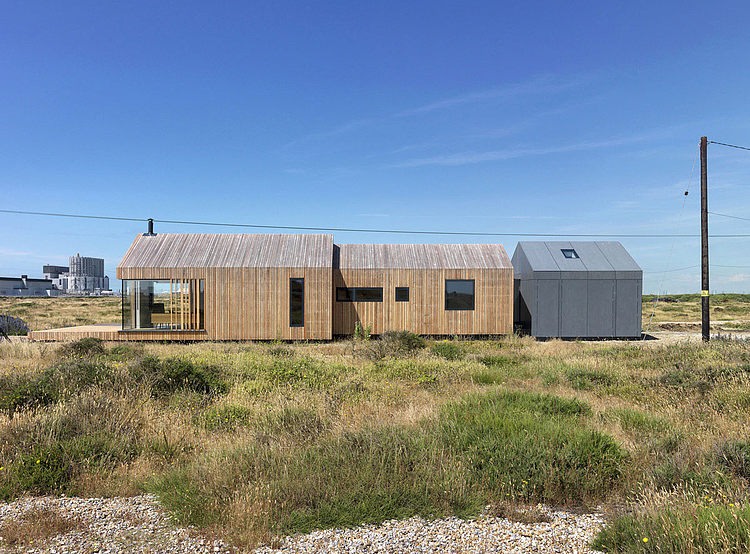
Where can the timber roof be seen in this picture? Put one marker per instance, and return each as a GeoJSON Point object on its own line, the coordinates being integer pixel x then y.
{"type": "Point", "coordinates": [421, 256]}
{"type": "Point", "coordinates": [228, 250]}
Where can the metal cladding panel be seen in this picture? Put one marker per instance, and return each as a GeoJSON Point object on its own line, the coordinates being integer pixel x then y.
{"type": "Point", "coordinates": [574, 308]}
{"type": "Point", "coordinates": [601, 308]}
{"type": "Point", "coordinates": [521, 266]}
{"type": "Point", "coordinates": [570, 268]}
{"type": "Point", "coordinates": [628, 310]}
{"type": "Point", "coordinates": [538, 258]}
{"type": "Point", "coordinates": [597, 264]}
{"type": "Point", "coordinates": [547, 320]}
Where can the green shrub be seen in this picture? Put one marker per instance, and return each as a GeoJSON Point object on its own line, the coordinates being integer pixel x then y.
{"type": "Point", "coordinates": [83, 348]}
{"type": "Point", "coordinates": [394, 344]}
{"type": "Point", "coordinates": [448, 350]}
{"type": "Point", "coordinates": [303, 423]}
{"type": "Point", "coordinates": [54, 383]}
{"type": "Point", "coordinates": [533, 447]}
{"type": "Point", "coordinates": [169, 375]}
{"type": "Point", "coordinates": [587, 379]}
{"type": "Point", "coordinates": [735, 457]}
{"type": "Point", "coordinates": [225, 418]}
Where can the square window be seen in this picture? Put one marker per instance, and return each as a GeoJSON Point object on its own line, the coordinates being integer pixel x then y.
{"type": "Point", "coordinates": [402, 294]}
{"type": "Point", "coordinates": [569, 253]}
{"type": "Point", "coordinates": [459, 294]}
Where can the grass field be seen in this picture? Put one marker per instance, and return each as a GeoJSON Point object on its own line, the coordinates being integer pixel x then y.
{"type": "Point", "coordinates": [252, 441]}
{"type": "Point", "coordinates": [52, 313]}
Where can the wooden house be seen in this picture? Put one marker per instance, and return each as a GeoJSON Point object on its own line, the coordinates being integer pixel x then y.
{"type": "Point", "coordinates": [227, 287]}
{"type": "Point", "coordinates": [299, 287]}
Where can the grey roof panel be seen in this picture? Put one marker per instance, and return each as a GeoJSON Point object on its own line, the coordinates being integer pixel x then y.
{"type": "Point", "coordinates": [597, 260]}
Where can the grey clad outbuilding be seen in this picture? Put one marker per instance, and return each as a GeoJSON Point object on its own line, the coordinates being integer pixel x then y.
{"type": "Point", "coordinates": [586, 289]}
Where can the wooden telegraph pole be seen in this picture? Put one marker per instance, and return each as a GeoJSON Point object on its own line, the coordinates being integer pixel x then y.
{"type": "Point", "coordinates": [705, 315]}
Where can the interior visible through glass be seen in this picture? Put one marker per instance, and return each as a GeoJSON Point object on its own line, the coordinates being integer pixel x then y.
{"type": "Point", "coordinates": [163, 304]}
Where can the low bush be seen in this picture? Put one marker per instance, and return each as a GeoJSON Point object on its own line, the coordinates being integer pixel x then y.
{"type": "Point", "coordinates": [394, 344]}
{"type": "Point", "coordinates": [533, 447]}
{"type": "Point", "coordinates": [169, 375]}
{"type": "Point", "coordinates": [734, 456]}
{"type": "Point", "coordinates": [84, 348]}
{"type": "Point", "coordinates": [448, 350]}
{"type": "Point", "coordinates": [54, 383]}
{"type": "Point", "coordinates": [225, 418]}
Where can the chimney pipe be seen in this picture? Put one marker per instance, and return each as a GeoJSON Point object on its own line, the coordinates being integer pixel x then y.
{"type": "Point", "coordinates": [150, 229]}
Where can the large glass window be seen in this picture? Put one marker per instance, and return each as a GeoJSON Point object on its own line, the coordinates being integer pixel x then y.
{"type": "Point", "coordinates": [163, 304]}
{"type": "Point", "coordinates": [459, 294]}
{"type": "Point", "coordinates": [359, 294]}
{"type": "Point", "coordinates": [296, 302]}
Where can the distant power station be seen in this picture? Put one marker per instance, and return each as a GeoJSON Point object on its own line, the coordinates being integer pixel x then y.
{"type": "Point", "coordinates": [83, 276]}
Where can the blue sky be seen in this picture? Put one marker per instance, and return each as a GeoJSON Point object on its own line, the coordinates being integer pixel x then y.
{"type": "Point", "coordinates": [504, 117]}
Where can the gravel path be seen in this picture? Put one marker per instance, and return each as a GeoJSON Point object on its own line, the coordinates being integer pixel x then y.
{"type": "Point", "coordinates": [138, 524]}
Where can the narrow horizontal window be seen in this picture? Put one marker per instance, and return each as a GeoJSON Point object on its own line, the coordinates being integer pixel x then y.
{"type": "Point", "coordinates": [402, 294]}
{"type": "Point", "coordinates": [569, 253]}
{"type": "Point", "coordinates": [459, 294]}
{"type": "Point", "coordinates": [359, 294]}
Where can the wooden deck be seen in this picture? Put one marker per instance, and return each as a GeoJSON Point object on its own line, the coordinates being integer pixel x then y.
{"type": "Point", "coordinates": [113, 332]}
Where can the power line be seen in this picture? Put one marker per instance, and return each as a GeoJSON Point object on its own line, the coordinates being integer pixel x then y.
{"type": "Point", "coordinates": [730, 216]}
{"type": "Point", "coordinates": [672, 270]}
{"type": "Point", "coordinates": [383, 231]}
{"type": "Point", "coordinates": [81, 216]}
{"type": "Point", "coordinates": [729, 145]}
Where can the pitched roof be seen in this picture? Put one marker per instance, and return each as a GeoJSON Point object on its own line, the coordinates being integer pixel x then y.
{"type": "Point", "coordinates": [421, 256]}
{"type": "Point", "coordinates": [229, 250]}
{"type": "Point", "coordinates": [592, 257]}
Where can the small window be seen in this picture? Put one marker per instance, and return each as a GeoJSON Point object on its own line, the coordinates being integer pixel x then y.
{"type": "Point", "coordinates": [359, 294]}
{"type": "Point", "coordinates": [296, 302]}
{"type": "Point", "coordinates": [570, 253]}
{"type": "Point", "coordinates": [459, 294]}
{"type": "Point", "coordinates": [402, 294]}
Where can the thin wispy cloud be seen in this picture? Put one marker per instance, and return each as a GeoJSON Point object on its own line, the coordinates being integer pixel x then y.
{"type": "Point", "coordinates": [546, 84]}
{"type": "Point", "coordinates": [468, 158]}
{"type": "Point", "coordinates": [536, 86]}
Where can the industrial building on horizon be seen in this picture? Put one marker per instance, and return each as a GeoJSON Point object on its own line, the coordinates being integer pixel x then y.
{"type": "Point", "coordinates": [83, 276]}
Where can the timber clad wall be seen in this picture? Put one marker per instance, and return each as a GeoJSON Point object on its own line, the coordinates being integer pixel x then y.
{"type": "Point", "coordinates": [424, 268]}
{"type": "Point", "coordinates": [246, 282]}
{"type": "Point", "coordinates": [425, 312]}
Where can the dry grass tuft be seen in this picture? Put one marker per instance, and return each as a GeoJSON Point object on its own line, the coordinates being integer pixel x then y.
{"type": "Point", "coordinates": [36, 526]}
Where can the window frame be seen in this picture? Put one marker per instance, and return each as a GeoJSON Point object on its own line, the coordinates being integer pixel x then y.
{"type": "Point", "coordinates": [402, 290]}
{"type": "Point", "coordinates": [349, 294]}
{"type": "Point", "coordinates": [570, 254]}
{"type": "Point", "coordinates": [473, 295]}
{"type": "Point", "coordinates": [296, 281]}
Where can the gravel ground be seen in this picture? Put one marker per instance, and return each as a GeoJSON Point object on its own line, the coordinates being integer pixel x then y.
{"type": "Point", "coordinates": [565, 532]}
{"type": "Point", "coordinates": [105, 525]}
{"type": "Point", "coordinates": [138, 524]}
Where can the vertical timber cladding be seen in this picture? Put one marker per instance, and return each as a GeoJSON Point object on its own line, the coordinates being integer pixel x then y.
{"type": "Point", "coordinates": [425, 311]}
{"type": "Point", "coordinates": [246, 281]}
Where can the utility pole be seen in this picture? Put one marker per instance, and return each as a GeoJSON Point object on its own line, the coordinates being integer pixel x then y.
{"type": "Point", "coordinates": [705, 315]}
